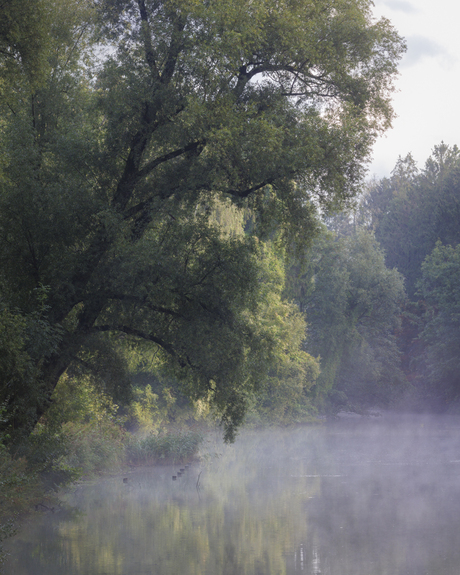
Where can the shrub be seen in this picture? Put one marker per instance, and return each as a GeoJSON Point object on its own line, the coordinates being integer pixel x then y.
{"type": "Point", "coordinates": [94, 447]}
{"type": "Point", "coordinates": [169, 447]}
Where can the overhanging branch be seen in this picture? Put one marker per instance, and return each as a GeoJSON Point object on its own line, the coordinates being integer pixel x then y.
{"type": "Point", "coordinates": [141, 335]}
{"type": "Point", "coordinates": [134, 299]}
{"type": "Point", "coordinates": [246, 193]}
{"type": "Point", "coordinates": [193, 146]}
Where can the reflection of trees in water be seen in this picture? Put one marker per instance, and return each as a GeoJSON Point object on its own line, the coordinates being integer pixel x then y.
{"type": "Point", "coordinates": [245, 520]}
{"type": "Point", "coordinates": [306, 558]}
{"type": "Point", "coordinates": [347, 499]}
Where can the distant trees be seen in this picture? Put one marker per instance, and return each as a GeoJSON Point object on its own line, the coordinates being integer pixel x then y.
{"type": "Point", "coordinates": [415, 215]}
{"type": "Point", "coordinates": [439, 286]}
{"type": "Point", "coordinates": [352, 303]}
{"type": "Point", "coordinates": [412, 210]}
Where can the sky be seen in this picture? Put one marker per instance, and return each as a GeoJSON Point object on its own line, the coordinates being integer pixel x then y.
{"type": "Point", "coordinates": [427, 97]}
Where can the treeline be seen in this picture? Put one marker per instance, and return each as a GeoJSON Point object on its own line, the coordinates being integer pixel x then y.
{"type": "Point", "coordinates": [393, 337]}
{"type": "Point", "coordinates": [379, 291]}
{"type": "Point", "coordinates": [415, 215]}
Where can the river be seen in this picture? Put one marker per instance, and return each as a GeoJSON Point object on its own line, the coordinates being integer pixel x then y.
{"type": "Point", "coordinates": [359, 496]}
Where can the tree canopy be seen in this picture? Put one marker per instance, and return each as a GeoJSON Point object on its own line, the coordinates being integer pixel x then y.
{"type": "Point", "coordinates": [415, 215]}
{"type": "Point", "coordinates": [413, 209]}
{"type": "Point", "coordinates": [150, 112]}
{"type": "Point", "coordinates": [352, 305]}
{"type": "Point", "coordinates": [24, 41]}
{"type": "Point", "coordinates": [439, 287]}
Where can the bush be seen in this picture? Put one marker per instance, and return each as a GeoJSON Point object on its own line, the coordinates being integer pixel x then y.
{"type": "Point", "coordinates": [94, 447]}
{"type": "Point", "coordinates": [170, 447]}
{"type": "Point", "coordinates": [19, 488]}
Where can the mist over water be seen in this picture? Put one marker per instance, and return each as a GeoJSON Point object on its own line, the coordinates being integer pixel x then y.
{"type": "Point", "coordinates": [359, 496]}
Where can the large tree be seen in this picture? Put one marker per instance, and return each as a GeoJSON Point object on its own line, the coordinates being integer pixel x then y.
{"type": "Point", "coordinates": [110, 170]}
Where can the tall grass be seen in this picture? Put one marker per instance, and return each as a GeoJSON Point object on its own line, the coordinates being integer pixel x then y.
{"type": "Point", "coordinates": [170, 447]}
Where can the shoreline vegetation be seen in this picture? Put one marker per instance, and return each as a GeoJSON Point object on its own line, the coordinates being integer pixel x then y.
{"type": "Point", "coordinates": [85, 435]}
{"type": "Point", "coordinates": [32, 477]}
{"type": "Point", "coordinates": [51, 460]}
{"type": "Point", "coordinates": [30, 482]}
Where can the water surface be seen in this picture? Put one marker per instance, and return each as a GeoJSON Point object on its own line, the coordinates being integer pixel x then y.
{"type": "Point", "coordinates": [361, 496]}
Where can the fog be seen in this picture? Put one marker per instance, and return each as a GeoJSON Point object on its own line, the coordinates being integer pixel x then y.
{"type": "Point", "coordinates": [358, 496]}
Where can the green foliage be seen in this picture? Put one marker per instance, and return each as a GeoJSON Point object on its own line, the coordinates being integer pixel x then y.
{"type": "Point", "coordinates": [93, 447]}
{"type": "Point", "coordinates": [80, 401]}
{"type": "Point", "coordinates": [414, 209]}
{"type": "Point", "coordinates": [164, 448]}
{"type": "Point", "coordinates": [283, 394]}
{"type": "Point", "coordinates": [352, 305]}
{"type": "Point", "coordinates": [150, 411]}
{"type": "Point", "coordinates": [42, 449]}
{"type": "Point", "coordinates": [284, 398]}
{"type": "Point", "coordinates": [16, 365]}
{"type": "Point", "coordinates": [86, 420]}
{"type": "Point", "coordinates": [24, 41]}
{"type": "Point", "coordinates": [111, 170]}
{"type": "Point", "coordinates": [410, 212]}
{"type": "Point", "coordinates": [439, 286]}
{"type": "Point", "coordinates": [20, 489]}
{"type": "Point", "coordinates": [26, 339]}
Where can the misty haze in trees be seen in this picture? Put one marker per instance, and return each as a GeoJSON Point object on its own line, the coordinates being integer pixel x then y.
{"type": "Point", "coordinates": [380, 293]}
{"type": "Point", "coordinates": [415, 215]}
{"type": "Point", "coordinates": [119, 136]}
{"type": "Point", "coordinates": [352, 302]}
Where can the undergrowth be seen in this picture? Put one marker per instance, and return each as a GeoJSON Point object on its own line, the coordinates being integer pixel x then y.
{"type": "Point", "coordinates": [163, 448]}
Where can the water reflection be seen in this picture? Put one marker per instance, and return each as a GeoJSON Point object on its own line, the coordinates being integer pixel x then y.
{"type": "Point", "coordinates": [357, 497]}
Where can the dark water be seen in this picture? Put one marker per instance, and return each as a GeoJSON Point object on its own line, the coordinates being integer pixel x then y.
{"type": "Point", "coordinates": [376, 496]}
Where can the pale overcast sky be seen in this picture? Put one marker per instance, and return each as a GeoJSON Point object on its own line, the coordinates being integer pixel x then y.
{"type": "Point", "coordinates": [427, 100]}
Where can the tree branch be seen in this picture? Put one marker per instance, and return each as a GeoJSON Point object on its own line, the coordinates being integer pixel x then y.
{"type": "Point", "coordinates": [175, 49]}
{"type": "Point", "coordinates": [149, 54]}
{"type": "Point", "coordinates": [131, 298]}
{"type": "Point", "coordinates": [193, 146]}
{"type": "Point", "coordinates": [141, 335]}
{"type": "Point", "coordinates": [246, 193]}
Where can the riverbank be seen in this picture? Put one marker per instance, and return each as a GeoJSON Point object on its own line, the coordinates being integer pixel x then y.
{"type": "Point", "coordinates": [31, 477]}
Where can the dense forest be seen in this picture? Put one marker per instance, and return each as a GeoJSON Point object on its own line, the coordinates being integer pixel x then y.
{"type": "Point", "coordinates": [186, 233]}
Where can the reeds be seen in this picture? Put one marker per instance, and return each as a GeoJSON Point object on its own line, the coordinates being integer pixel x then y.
{"type": "Point", "coordinates": [172, 447]}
